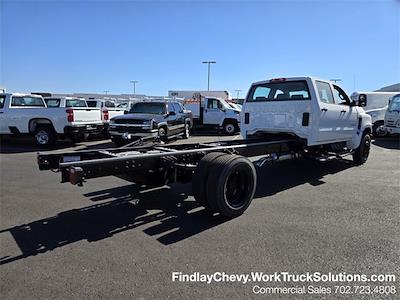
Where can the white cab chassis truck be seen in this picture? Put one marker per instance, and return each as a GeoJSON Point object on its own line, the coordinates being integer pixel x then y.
{"type": "Point", "coordinates": [213, 113]}
{"type": "Point", "coordinates": [376, 104]}
{"type": "Point", "coordinates": [29, 114]}
{"type": "Point", "coordinates": [392, 116]}
{"type": "Point", "coordinates": [283, 119]}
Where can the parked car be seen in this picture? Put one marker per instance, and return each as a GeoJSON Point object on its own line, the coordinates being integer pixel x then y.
{"type": "Point", "coordinates": [28, 114]}
{"type": "Point", "coordinates": [392, 115]}
{"type": "Point", "coordinates": [163, 119]}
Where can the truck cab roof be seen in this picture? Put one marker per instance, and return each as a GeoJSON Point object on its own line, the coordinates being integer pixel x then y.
{"type": "Point", "coordinates": [282, 79]}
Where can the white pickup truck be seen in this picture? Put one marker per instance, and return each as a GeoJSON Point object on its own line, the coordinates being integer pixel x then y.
{"type": "Point", "coordinates": [214, 112]}
{"type": "Point", "coordinates": [28, 114]}
{"type": "Point", "coordinates": [315, 110]}
{"type": "Point", "coordinates": [109, 110]}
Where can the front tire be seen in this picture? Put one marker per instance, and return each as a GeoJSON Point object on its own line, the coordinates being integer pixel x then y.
{"type": "Point", "coordinates": [45, 136]}
{"type": "Point", "coordinates": [186, 133]}
{"type": "Point", "coordinates": [162, 134]}
{"type": "Point", "coordinates": [361, 154]}
{"type": "Point", "coordinates": [118, 141]}
{"type": "Point", "coordinates": [378, 129]}
{"type": "Point", "coordinates": [229, 128]}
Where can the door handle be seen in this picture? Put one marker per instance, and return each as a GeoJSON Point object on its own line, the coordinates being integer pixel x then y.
{"type": "Point", "coordinates": [343, 111]}
{"type": "Point", "coordinates": [324, 109]}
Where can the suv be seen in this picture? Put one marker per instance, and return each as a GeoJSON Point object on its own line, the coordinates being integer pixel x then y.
{"type": "Point", "coordinates": [162, 119]}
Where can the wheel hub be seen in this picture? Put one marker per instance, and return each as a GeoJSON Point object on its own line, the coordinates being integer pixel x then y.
{"type": "Point", "coordinates": [42, 137]}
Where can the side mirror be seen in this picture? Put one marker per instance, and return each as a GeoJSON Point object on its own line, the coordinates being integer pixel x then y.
{"type": "Point", "coordinates": [362, 100]}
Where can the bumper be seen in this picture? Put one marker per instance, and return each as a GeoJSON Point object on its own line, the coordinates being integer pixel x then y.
{"type": "Point", "coordinates": [129, 134]}
{"type": "Point", "coordinates": [81, 129]}
{"type": "Point", "coordinates": [392, 130]}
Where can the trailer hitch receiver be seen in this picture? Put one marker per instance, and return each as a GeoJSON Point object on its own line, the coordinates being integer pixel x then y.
{"type": "Point", "coordinates": [76, 176]}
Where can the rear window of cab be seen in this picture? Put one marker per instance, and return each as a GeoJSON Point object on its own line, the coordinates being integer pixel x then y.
{"type": "Point", "coordinates": [279, 91]}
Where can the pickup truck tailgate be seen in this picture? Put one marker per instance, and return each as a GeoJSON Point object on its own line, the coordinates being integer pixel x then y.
{"type": "Point", "coordinates": [113, 112]}
{"type": "Point", "coordinates": [87, 115]}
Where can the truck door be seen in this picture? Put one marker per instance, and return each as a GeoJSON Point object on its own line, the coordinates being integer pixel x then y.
{"type": "Point", "coordinates": [329, 126]}
{"type": "Point", "coordinates": [348, 117]}
{"type": "Point", "coordinates": [172, 120]}
{"type": "Point", "coordinates": [3, 125]}
{"type": "Point", "coordinates": [213, 113]}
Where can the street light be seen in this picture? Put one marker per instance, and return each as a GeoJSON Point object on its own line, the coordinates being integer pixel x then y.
{"type": "Point", "coordinates": [134, 86]}
{"type": "Point", "coordinates": [209, 62]}
{"type": "Point", "coordinates": [335, 80]}
{"type": "Point", "coordinates": [237, 96]}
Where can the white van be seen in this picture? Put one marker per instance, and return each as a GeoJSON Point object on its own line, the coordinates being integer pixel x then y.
{"type": "Point", "coordinates": [376, 105]}
{"type": "Point", "coordinates": [392, 116]}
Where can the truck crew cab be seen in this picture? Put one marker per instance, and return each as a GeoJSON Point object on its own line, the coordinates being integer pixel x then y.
{"type": "Point", "coordinates": [282, 119]}
{"type": "Point", "coordinates": [163, 119]}
{"type": "Point", "coordinates": [312, 109]}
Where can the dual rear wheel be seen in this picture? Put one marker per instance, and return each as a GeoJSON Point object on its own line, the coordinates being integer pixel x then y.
{"type": "Point", "coordinates": [224, 183]}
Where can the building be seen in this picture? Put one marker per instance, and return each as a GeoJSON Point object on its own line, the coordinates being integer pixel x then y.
{"type": "Point", "coordinates": [390, 88]}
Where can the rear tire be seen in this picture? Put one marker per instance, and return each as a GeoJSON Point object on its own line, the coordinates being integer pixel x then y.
{"type": "Point", "coordinates": [231, 185]}
{"type": "Point", "coordinates": [200, 176]}
{"type": "Point", "coordinates": [361, 154]}
{"type": "Point", "coordinates": [45, 136]}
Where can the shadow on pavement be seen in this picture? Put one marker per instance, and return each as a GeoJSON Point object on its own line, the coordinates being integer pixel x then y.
{"type": "Point", "coordinates": [168, 213]}
{"type": "Point", "coordinates": [390, 142]}
{"type": "Point", "coordinates": [288, 174]}
{"type": "Point", "coordinates": [103, 220]}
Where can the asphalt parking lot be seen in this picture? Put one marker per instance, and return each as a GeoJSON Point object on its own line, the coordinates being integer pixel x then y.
{"type": "Point", "coordinates": [63, 241]}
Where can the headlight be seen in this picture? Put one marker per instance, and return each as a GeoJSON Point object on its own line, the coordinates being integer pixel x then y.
{"type": "Point", "coordinates": [373, 114]}
{"type": "Point", "coordinates": [149, 123]}
{"type": "Point", "coordinates": [112, 121]}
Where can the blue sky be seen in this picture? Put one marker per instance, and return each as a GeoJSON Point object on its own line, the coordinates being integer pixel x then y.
{"type": "Point", "coordinates": [92, 46]}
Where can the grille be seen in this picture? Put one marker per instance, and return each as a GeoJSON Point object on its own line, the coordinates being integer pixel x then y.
{"type": "Point", "coordinates": [390, 123]}
{"type": "Point", "coordinates": [128, 121]}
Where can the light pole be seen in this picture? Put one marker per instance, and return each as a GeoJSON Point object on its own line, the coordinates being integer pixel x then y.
{"type": "Point", "coordinates": [237, 95]}
{"type": "Point", "coordinates": [209, 62]}
{"type": "Point", "coordinates": [134, 86]}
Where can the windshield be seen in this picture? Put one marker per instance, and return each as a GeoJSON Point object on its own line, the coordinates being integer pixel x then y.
{"type": "Point", "coordinates": [279, 91]}
{"type": "Point", "coordinates": [395, 104]}
{"type": "Point", "coordinates": [52, 102]}
{"type": "Point", "coordinates": [75, 103]}
{"type": "Point", "coordinates": [148, 108]}
{"type": "Point", "coordinates": [26, 101]}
